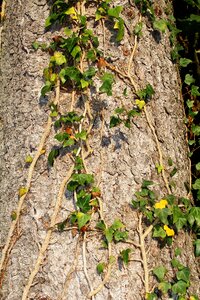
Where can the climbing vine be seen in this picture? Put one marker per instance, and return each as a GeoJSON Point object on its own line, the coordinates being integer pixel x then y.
{"type": "Point", "coordinates": [76, 64]}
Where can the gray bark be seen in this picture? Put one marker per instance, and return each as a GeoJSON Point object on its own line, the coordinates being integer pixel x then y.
{"type": "Point", "coordinates": [129, 156]}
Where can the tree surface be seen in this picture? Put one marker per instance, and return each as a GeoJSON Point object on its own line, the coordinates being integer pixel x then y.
{"type": "Point", "coordinates": [120, 159]}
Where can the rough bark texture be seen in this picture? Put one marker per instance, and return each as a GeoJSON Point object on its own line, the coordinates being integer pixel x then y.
{"type": "Point", "coordinates": [123, 158]}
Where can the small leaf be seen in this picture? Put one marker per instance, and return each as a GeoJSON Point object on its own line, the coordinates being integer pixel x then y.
{"type": "Point", "coordinates": [22, 191]}
{"type": "Point", "coordinates": [59, 58]}
{"type": "Point", "coordinates": [35, 45]}
{"type": "Point", "coordinates": [176, 264]}
{"type": "Point", "coordinates": [189, 103]}
{"type": "Point", "coordinates": [119, 110]}
{"type": "Point", "coordinates": [197, 166]}
{"type": "Point", "coordinates": [13, 215]}
{"type": "Point", "coordinates": [82, 219]}
{"type": "Point", "coordinates": [29, 159]}
{"type": "Point", "coordinates": [173, 172]}
{"type": "Point", "coordinates": [117, 224]}
{"type": "Point", "coordinates": [183, 274]}
{"type": "Point", "coordinates": [196, 129]}
{"type": "Point", "coordinates": [114, 121]}
{"type": "Point", "coordinates": [109, 234]}
{"type": "Point", "coordinates": [180, 287]}
{"type": "Point", "coordinates": [81, 135]}
{"type": "Point", "coordinates": [195, 90]}
{"type": "Point", "coordinates": [114, 12]}
{"type": "Point", "coordinates": [197, 247]}
{"type": "Point", "coordinates": [178, 251]}
{"type": "Point", "coordinates": [164, 287]}
{"type": "Point", "coordinates": [196, 185]}
{"type": "Point", "coordinates": [146, 183]}
{"type": "Point", "coordinates": [100, 268]}
{"type": "Point", "coordinates": [140, 103]}
{"type": "Point", "coordinates": [106, 87]}
{"type": "Point", "coordinates": [101, 225]}
{"type": "Point", "coordinates": [138, 29]}
{"type": "Point", "coordinates": [125, 255]}
{"type": "Point", "coordinates": [184, 62]}
{"type": "Point", "coordinates": [160, 25]}
{"type": "Point", "coordinates": [189, 79]}
{"type": "Point", "coordinates": [159, 232]}
{"type": "Point", "coordinates": [120, 33]}
{"type": "Point", "coordinates": [160, 272]}
{"type": "Point", "coordinates": [46, 88]}
{"type": "Point", "coordinates": [120, 235]}
{"type": "Point", "coordinates": [52, 156]}
{"type": "Point", "coordinates": [159, 168]}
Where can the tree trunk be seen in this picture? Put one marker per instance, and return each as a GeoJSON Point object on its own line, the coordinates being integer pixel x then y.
{"type": "Point", "coordinates": [121, 159]}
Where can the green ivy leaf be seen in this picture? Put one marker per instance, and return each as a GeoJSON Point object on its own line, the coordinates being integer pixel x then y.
{"type": "Point", "coordinates": [184, 62]}
{"type": "Point", "coordinates": [177, 251]}
{"type": "Point", "coordinates": [176, 264]}
{"type": "Point", "coordinates": [117, 224]}
{"type": "Point", "coordinates": [162, 215]}
{"type": "Point", "coordinates": [124, 254]}
{"type": "Point", "coordinates": [160, 25]}
{"type": "Point", "coordinates": [114, 12]}
{"type": "Point", "coordinates": [189, 79]}
{"type": "Point", "coordinates": [164, 287]}
{"type": "Point", "coordinates": [138, 29]}
{"type": "Point", "coordinates": [197, 166]}
{"type": "Point", "coordinates": [79, 180]}
{"type": "Point", "coordinates": [59, 58]}
{"type": "Point", "coordinates": [173, 172]}
{"type": "Point", "coordinates": [108, 80]}
{"type": "Point", "coordinates": [120, 235]}
{"type": "Point", "coordinates": [82, 219]}
{"type": "Point", "coordinates": [52, 156]}
{"type": "Point", "coordinates": [101, 225]}
{"type": "Point", "coordinates": [147, 93]}
{"type": "Point", "coordinates": [147, 183]}
{"type": "Point", "coordinates": [159, 232]}
{"type": "Point", "coordinates": [100, 268]}
{"type": "Point", "coordinates": [83, 201]}
{"type": "Point", "coordinates": [114, 121]}
{"type": "Point", "coordinates": [179, 288]}
{"type": "Point", "coordinates": [183, 274]}
{"type": "Point", "coordinates": [197, 247]}
{"type": "Point", "coordinates": [151, 296]}
{"type": "Point", "coordinates": [160, 272]}
{"type": "Point", "coordinates": [195, 90]}
{"type": "Point", "coordinates": [35, 45]}
{"type": "Point", "coordinates": [196, 129]}
{"type": "Point", "coordinates": [81, 135]}
{"type": "Point", "coordinates": [189, 103]}
{"type": "Point", "coordinates": [120, 33]}
{"type": "Point", "coordinates": [109, 234]}
{"type": "Point", "coordinates": [46, 88]}
{"type": "Point", "coordinates": [194, 215]}
{"type": "Point", "coordinates": [76, 51]}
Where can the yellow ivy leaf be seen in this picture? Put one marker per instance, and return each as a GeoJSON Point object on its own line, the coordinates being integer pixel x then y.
{"type": "Point", "coordinates": [72, 12]}
{"type": "Point", "coordinates": [140, 103]}
{"type": "Point", "coordinates": [161, 204]}
{"type": "Point", "coordinates": [28, 159]}
{"type": "Point", "coordinates": [22, 191]}
{"type": "Point", "coordinates": [169, 231]}
{"type": "Point", "coordinates": [59, 58]}
{"type": "Point", "coordinates": [116, 25]}
{"type": "Point", "coordinates": [42, 151]}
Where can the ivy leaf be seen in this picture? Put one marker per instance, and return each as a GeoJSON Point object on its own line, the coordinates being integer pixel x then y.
{"type": "Point", "coordinates": [194, 215]}
{"type": "Point", "coordinates": [197, 247]}
{"type": "Point", "coordinates": [120, 235]}
{"type": "Point", "coordinates": [109, 234]}
{"type": "Point", "coordinates": [164, 287]}
{"type": "Point", "coordinates": [147, 93]}
{"type": "Point", "coordinates": [125, 255]}
{"type": "Point", "coordinates": [82, 219]}
{"type": "Point", "coordinates": [83, 201]}
{"type": "Point", "coordinates": [120, 33]}
{"type": "Point", "coordinates": [162, 215]}
{"type": "Point", "coordinates": [52, 156]}
{"type": "Point", "coordinates": [68, 143]}
{"type": "Point", "coordinates": [179, 219]}
{"type": "Point", "coordinates": [29, 159]}
{"type": "Point", "coordinates": [59, 58]}
{"type": "Point", "coordinates": [196, 129]}
{"type": "Point", "coordinates": [183, 274]}
{"type": "Point", "coordinates": [146, 183]}
{"type": "Point", "coordinates": [46, 88]}
{"type": "Point", "coordinates": [117, 224]}
{"type": "Point", "coordinates": [173, 172]}
{"type": "Point", "coordinates": [100, 268]}
{"type": "Point", "coordinates": [159, 168]}
{"type": "Point", "coordinates": [84, 83]}
{"type": "Point", "coordinates": [159, 232]}
{"type": "Point", "coordinates": [151, 296]}
{"type": "Point", "coordinates": [195, 90]}
{"type": "Point", "coordinates": [176, 264]}
{"type": "Point", "coordinates": [101, 225]}
{"type": "Point", "coordinates": [140, 103]}
{"type": "Point", "coordinates": [119, 110]}
{"type": "Point", "coordinates": [160, 25]}
{"type": "Point", "coordinates": [22, 191]}
{"type": "Point", "coordinates": [81, 135]}
{"type": "Point", "coordinates": [79, 180]}
{"type": "Point", "coordinates": [179, 288]}
{"type": "Point", "coordinates": [114, 121]}
{"type": "Point", "coordinates": [114, 12]}
{"type": "Point", "coordinates": [35, 45]}
{"type": "Point", "coordinates": [189, 103]}
{"type": "Point", "coordinates": [138, 29]}
{"type": "Point", "coordinates": [184, 62]}
{"type": "Point", "coordinates": [197, 166]}
{"type": "Point", "coordinates": [160, 272]}
{"type": "Point", "coordinates": [189, 79]}
{"type": "Point", "coordinates": [76, 51]}
{"type": "Point", "coordinates": [108, 80]}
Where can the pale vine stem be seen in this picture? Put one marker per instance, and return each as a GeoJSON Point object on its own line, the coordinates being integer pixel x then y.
{"type": "Point", "coordinates": [28, 184]}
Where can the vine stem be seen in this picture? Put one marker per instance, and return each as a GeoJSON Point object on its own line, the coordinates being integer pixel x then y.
{"type": "Point", "coordinates": [46, 241]}
{"type": "Point", "coordinates": [45, 135]}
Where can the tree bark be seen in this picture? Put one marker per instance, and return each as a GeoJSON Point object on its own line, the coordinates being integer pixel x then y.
{"type": "Point", "coordinates": [121, 159]}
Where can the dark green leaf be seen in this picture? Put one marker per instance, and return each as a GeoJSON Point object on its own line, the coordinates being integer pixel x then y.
{"type": "Point", "coordinates": [180, 288]}
{"type": "Point", "coordinates": [147, 183]}
{"type": "Point", "coordinates": [164, 287]}
{"type": "Point", "coordinates": [173, 172]}
{"type": "Point", "coordinates": [52, 155]}
{"type": "Point", "coordinates": [100, 268]}
{"type": "Point", "coordinates": [106, 87]}
{"type": "Point", "coordinates": [120, 235]}
{"type": "Point", "coordinates": [159, 232]}
{"type": "Point", "coordinates": [194, 216]}
{"type": "Point", "coordinates": [197, 247]}
{"type": "Point", "coordinates": [46, 88]}
{"type": "Point", "coordinates": [117, 224]}
{"type": "Point", "coordinates": [120, 33]}
{"type": "Point", "coordinates": [114, 121]}
{"type": "Point", "coordinates": [82, 219]}
{"type": "Point", "coordinates": [109, 234]}
{"type": "Point", "coordinates": [101, 225]}
{"type": "Point", "coordinates": [125, 255]}
{"type": "Point", "coordinates": [183, 274]}
{"type": "Point", "coordinates": [162, 215]}
{"type": "Point", "coordinates": [176, 264]}
{"type": "Point", "coordinates": [83, 201]}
